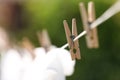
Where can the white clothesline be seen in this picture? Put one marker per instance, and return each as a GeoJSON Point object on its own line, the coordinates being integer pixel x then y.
{"type": "Point", "coordinates": [106, 15]}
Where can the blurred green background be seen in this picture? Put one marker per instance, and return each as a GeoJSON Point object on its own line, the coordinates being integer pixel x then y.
{"type": "Point", "coordinates": [96, 64]}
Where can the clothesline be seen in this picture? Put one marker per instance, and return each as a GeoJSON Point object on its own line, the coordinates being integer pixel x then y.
{"type": "Point", "coordinates": [105, 16]}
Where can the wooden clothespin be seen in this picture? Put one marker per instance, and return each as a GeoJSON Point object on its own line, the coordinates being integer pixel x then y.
{"type": "Point", "coordinates": [26, 43]}
{"type": "Point", "coordinates": [73, 46]}
{"type": "Point", "coordinates": [87, 19]}
{"type": "Point", "coordinates": [44, 39]}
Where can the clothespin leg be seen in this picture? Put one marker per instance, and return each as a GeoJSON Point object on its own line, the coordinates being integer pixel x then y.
{"type": "Point", "coordinates": [76, 43]}
{"type": "Point", "coordinates": [29, 46]}
{"type": "Point", "coordinates": [86, 27]}
{"type": "Point", "coordinates": [68, 35]}
{"type": "Point", "coordinates": [91, 18]}
{"type": "Point", "coordinates": [44, 39]}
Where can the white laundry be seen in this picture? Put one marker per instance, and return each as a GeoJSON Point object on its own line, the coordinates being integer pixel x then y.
{"type": "Point", "coordinates": [11, 65]}
{"type": "Point", "coordinates": [54, 69]}
{"type": "Point", "coordinates": [26, 61]}
{"type": "Point", "coordinates": [53, 65]}
{"type": "Point", "coordinates": [62, 62]}
{"type": "Point", "coordinates": [40, 53]}
{"type": "Point", "coordinates": [34, 69]}
{"type": "Point", "coordinates": [65, 59]}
